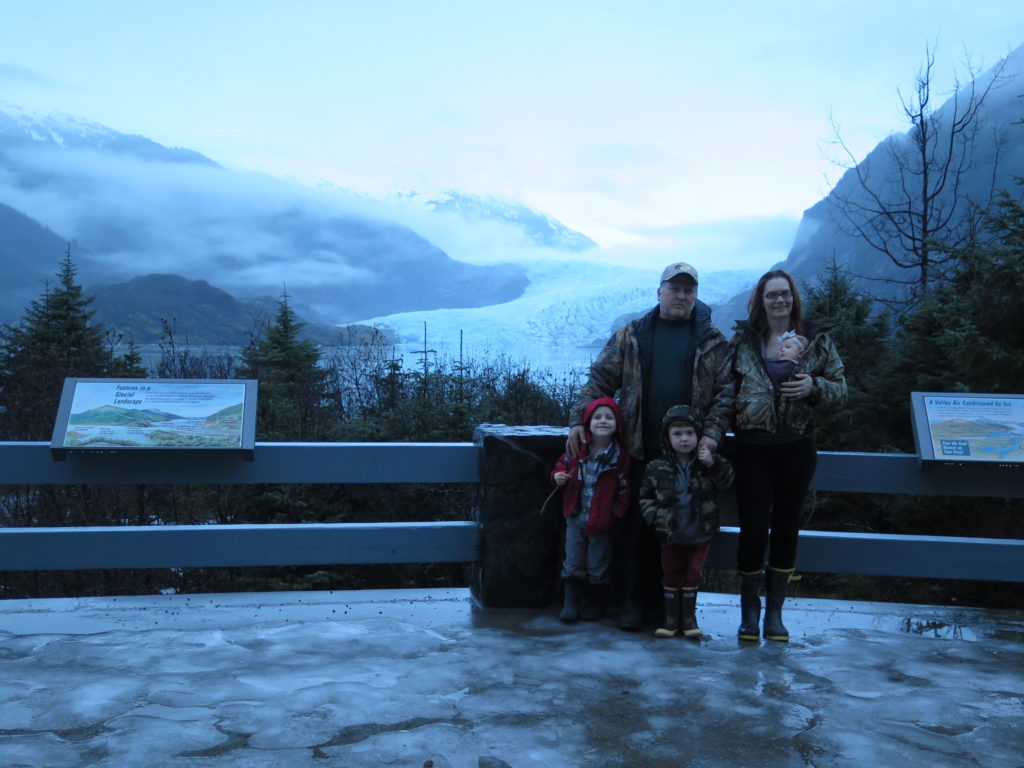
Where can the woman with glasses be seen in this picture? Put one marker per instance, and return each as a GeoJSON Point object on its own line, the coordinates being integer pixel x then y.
{"type": "Point", "coordinates": [775, 455]}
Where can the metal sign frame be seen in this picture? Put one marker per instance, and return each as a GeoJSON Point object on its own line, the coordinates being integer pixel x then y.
{"type": "Point", "coordinates": [959, 429]}
{"type": "Point", "coordinates": [142, 415]}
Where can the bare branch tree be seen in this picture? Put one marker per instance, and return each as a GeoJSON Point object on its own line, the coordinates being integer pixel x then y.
{"type": "Point", "coordinates": [909, 200]}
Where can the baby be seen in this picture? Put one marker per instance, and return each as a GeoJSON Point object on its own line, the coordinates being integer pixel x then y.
{"type": "Point", "coordinates": [792, 347]}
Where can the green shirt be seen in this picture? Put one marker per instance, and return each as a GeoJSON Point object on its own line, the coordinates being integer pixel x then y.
{"type": "Point", "coordinates": [671, 377]}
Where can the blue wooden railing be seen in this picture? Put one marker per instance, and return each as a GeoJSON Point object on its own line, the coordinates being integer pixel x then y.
{"type": "Point", "coordinates": [307, 544]}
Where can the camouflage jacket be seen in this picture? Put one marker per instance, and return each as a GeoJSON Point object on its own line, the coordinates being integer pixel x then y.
{"type": "Point", "coordinates": [622, 369]}
{"type": "Point", "coordinates": [759, 406]}
{"type": "Point", "coordinates": [658, 495]}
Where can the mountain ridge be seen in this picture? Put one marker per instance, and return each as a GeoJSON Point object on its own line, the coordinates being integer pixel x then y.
{"type": "Point", "coordinates": [131, 207]}
{"type": "Point", "coordinates": [821, 238]}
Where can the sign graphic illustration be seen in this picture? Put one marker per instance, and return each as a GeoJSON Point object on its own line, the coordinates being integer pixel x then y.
{"type": "Point", "coordinates": [964, 428]}
{"type": "Point", "coordinates": [155, 413]}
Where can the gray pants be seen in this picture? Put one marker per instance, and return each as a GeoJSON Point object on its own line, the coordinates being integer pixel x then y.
{"type": "Point", "coordinates": [586, 557]}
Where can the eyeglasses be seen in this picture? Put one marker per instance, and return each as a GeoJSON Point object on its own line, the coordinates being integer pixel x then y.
{"type": "Point", "coordinates": [774, 296]}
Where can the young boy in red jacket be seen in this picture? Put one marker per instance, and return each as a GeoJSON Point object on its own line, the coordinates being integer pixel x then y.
{"type": "Point", "coordinates": [596, 494]}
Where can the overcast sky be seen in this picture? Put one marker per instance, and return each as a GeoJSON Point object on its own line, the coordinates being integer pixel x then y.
{"type": "Point", "coordinates": [635, 123]}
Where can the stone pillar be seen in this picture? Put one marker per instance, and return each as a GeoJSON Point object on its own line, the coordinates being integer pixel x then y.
{"type": "Point", "coordinates": [521, 545]}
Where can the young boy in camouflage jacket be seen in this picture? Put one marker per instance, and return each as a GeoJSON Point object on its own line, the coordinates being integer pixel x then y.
{"type": "Point", "coordinates": [677, 498]}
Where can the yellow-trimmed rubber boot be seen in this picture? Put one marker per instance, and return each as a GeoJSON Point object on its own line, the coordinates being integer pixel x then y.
{"type": "Point", "coordinates": [775, 582]}
{"type": "Point", "coordinates": [688, 613]}
{"type": "Point", "coordinates": [671, 627]}
{"type": "Point", "coordinates": [750, 605]}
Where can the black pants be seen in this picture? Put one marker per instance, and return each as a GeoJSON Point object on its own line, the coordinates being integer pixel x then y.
{"type": "Point", "coordinates": [771, 482]}
{"type": "Point", "coordinates": [637, 565]}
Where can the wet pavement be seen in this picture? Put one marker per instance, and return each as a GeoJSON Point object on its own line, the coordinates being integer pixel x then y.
{"type": "Point", "coordinates": [422, 677]}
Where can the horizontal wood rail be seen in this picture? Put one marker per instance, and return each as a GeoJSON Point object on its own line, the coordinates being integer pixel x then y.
{"type": "Point", "coordinates": [879, 554]}
{"type": "Point", "coordinates": [359, 543]}
{"type": "Point", "coordinates": [33, 464]}
{"type": "Point", "coordinates": [199, 546]}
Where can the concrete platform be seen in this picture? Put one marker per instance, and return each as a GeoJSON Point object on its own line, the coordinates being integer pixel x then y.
{"type": "Point", "coordinates": [422, 677]}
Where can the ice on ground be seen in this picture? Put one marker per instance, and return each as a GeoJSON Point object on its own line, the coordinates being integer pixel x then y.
{"type": "Point", "coordinates": [402, 682]}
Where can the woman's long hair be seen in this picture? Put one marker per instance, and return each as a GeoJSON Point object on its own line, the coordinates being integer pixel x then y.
{"type": "Point", "coordinates": [756, 315]}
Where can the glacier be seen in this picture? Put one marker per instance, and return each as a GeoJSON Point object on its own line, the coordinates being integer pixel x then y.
{"type": "Point", "coordinates": [559, 324]}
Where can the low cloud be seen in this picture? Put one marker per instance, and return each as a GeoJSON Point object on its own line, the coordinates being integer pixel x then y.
{"type": "Point", "coordinates": [17, 74]}
{"type": "Point", "coordinates": [252, 234]}
{"type": "Point", "coordinates": [248, 233]}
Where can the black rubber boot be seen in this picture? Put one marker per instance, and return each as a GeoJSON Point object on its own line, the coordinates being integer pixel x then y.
{"type": "Point", "coordinates": [671, 626]}
{"type": "Point", "coordinates": [593, 604]}
{"type": "Point", "coordinates": [631, 611]}
{"type": "Point", "coordinates": [571, 601]}
{"type": "Point", "coordinates": [775, 583]}
{"type": "Point", "coordinates": [688, 613]}
{"type": "Point", "coordinates": [750, 605]}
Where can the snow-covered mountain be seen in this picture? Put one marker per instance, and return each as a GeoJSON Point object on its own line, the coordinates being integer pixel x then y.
{"type": "Point", "coordinates": [132, 207]}
{"type": "Point", "coordinates": [542, 230]}
{"type": "Point", "coordinates": [526, 286]}
{"type": "Point", "coordinates": [562, 319]}
{"type": "Point", "coordinates": [20, 129]}
{"type": "Point", "coordinates": [992, 147]}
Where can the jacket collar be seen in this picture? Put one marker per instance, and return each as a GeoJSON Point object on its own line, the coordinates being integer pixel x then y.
{"type": "Point", "coordinates": [813, 328]}
{"type": "Point", "coordinates": [701, 317]}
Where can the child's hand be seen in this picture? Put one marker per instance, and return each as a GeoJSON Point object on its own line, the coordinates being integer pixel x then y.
{"type": "Point", "coordinates": [561, 478]}
{"type": "Point", "coordinates": [704, 456]}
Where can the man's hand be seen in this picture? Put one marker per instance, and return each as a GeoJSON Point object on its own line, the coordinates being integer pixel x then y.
{"type": "Point", "coordinates": [704, 455]}
{"type": "Point", "coordinates": [577, 436]}
{"type": "Point", "coordinates": [709, 443]}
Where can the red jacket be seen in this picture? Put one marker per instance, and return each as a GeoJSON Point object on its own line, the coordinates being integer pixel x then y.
{"type": "Point", "coordinates": [611, 491]}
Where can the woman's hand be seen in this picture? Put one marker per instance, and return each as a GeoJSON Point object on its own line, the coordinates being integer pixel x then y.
{"type": "Point", "coordinates": [798, 387]}
{"type": "Point", "coordinates": [561, 478]}
{"type": "Point", "coordinates": [577, 436]}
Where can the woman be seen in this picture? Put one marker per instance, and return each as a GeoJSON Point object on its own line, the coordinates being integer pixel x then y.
{"type": "Point", "coordinates": [775, 453]}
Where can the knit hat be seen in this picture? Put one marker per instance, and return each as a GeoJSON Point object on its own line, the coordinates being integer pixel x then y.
{"type": "Point", "coordinates": [678, 414]}
{"type": "Point", "coordinates": [597, 403]}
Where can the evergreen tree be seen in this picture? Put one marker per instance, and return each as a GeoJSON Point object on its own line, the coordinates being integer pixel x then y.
{"type": "Point", "coordinates": [968, 335]}
{"type": "Point", "coordinates": [984, 338]}
{"type": "Point", "coordinates": [55, 339]}
{"type": "Point", "coordinates": [293, 396]}
{"type": "Point", "coordinates": [861, 337]}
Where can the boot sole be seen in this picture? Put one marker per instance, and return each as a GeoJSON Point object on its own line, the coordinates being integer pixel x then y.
{"type": "Point", "coordinates": [666, 632]}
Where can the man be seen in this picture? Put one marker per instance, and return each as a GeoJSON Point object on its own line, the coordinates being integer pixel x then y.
{"type": "Point", "coordinates": [672, 355]}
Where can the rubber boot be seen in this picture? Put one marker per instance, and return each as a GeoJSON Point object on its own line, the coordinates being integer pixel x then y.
{"type": "Point", "coordinates": [631, 611]}
{"type": "Point", "coordinates": [671, 625]}
{"type": "Point", "coordinates": [593, 604]}
{"type": "Point", "coordinates": [775, 582]}
{"type": "Point", "coordinates": [571, 601]}
{"type": "Point", "coordinates": [688, 613]}
{"type": "Point", "coordinates": [750, 605]}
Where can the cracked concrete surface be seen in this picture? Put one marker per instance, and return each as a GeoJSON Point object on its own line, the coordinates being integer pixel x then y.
{"type": "Point", "coordinates": [409, 677]}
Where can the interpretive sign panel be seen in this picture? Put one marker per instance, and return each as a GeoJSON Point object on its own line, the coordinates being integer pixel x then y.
{"type": "Point", "coordinates": [963, 428]}
{"type": "Point", "coordinates": [128, 414]}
